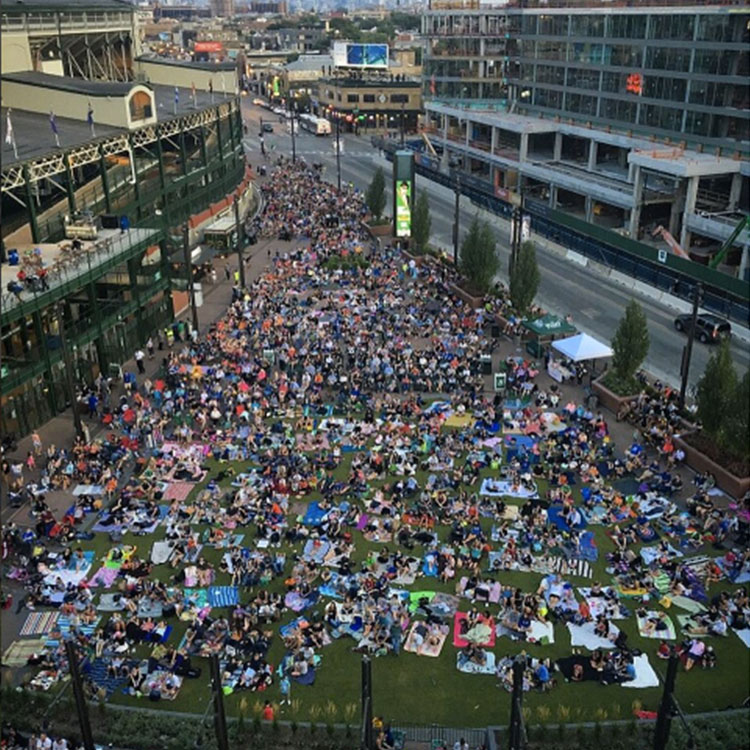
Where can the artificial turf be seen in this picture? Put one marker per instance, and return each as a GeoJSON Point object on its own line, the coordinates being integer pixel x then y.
{"type": "Point", "coordinates": [411, 689]}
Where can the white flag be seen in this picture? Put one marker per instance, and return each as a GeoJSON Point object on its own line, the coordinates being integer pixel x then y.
{"type": "Point", "coordinates": [10, 137]}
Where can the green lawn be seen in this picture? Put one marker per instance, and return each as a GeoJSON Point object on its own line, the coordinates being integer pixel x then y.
{"type": "Point", "coordinates": [413, 689]}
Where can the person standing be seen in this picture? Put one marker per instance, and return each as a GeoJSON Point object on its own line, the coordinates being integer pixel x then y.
{"type": "Point", "coordinates": [37, 443]}
{"type": "Point", "coordinates": [150, 347]}
{"type": "Point", "coordinates": [139, 357]}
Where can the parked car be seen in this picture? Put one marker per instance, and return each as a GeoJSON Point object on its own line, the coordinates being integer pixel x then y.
{"type": "Point", "coordinates": [259, 102]}
{"type": "Point", "coordinates": [708, 328]}
{"type": "Point", "coordinates": [267, 127]}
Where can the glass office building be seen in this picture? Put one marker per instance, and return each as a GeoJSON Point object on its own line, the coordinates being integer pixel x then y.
{"type": "Point", "coordinates": [674, 71]}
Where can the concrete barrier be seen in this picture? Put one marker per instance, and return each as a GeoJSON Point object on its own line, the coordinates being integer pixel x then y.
{"type": "Point", "coordinates": [575, 257]}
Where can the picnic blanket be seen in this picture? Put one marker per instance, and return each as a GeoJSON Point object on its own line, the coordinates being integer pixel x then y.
{"type": "Point", "coordinates": [82, 490]}
{"type": "Point", "coordinates": [650, 555]}
{"type": "Point", "coordinates": [667, 632]}
{"type": "Point", "coordinates": [690, 605]}
{"type": "Point", "coordinates": [149, 608]}
{"type": "Point", "coordinates": [542, 633]}
{"type": "Point", "coordinates": [463, 664]}
{"type": "Point", "coordinates": [602, 605]}
{"type": "Point", "coordinates": [502, 488]}
{"type": "Point", "coordinates": [161, 552]}
{"type": "Point", "coordinates": [223, 596]}
{"type": "Point", "coordinates": [645, 676]}
{"type": "Point", "coordinates": [584, 635]}
{"type": "Point", "coordinates": [426, 649]}
{"type": "Point", "coordinates": [296, 602]}
{"type": "Point", "coordinates": [316, 550]}
{"type": "Point", "coordinates": [18, 653]}
{"type": "Point", "coordinates": [111, 603]}
{"type": "Point", "coordinates": [39, 623]}
{"type": "Point", "coordinates": [482, 634]}
{"type": "Point", "coordinates": [554, 517]}
{"type": "Point", "coordinates": [492, 589]}
{"type": "Point", "coordinates": [178, 491]}
{"type": "Point", "coordinates": [103, 577]}
{"type": "Point", "coordinates": [743, 635]}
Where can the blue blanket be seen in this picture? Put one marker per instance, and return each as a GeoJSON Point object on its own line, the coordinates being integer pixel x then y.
{"type": "Point", "coordinates": [554, 517]}
{"type": "Point", "coordinates": [223, 596]}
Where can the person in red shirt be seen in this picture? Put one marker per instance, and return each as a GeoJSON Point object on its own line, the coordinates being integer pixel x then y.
{"type": "Point", "coordinates": [268, 711]}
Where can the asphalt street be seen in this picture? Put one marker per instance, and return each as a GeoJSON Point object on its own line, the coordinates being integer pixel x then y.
{"type": "Point", "coordinates": [595, 302]}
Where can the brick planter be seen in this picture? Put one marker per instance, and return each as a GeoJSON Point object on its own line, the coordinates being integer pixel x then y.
{"type": "Point", "coordinates": [379, 230]}
{"type": "Point", "coordinates": [731, 484]}
{"type": "Point", "coordinates": [609, 399]}
{"type": "Point", "coordinates": [470, 299]}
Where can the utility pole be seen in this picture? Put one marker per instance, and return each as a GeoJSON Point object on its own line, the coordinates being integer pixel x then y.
{"type": "Point", "coordinates": [189, 272]}
{"type": "Point", "coordinates": [338, 150]}
{"type": "Point", "coordinates": [68, 368]}
{"type": "Point", "coordinates": [515, 242]}
{"type": "Point", "coordinates": [220, 719]}
{"type": "Point", "coordinates": [516, 732]}
{"type": "Point", "coordinates": [402, 124]}
{"type": "Point", "coordinates": [667, 706]}
{"type": "Point", "coordinates": [71, 652]}
{"type": "Point", "coordinates": [366, 740]}
{"type": "Point", "coordinates": [456, 218]}
{"type": "Point", "coordinates": [238, 230]}
{"type": "Point", "coordinates": [291, 120]}
{"type": "Point", "coordinates": [687, 352]}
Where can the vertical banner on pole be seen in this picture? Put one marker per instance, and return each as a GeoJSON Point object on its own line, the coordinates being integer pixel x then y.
{"type": "Point", "coordinates": [403, 193]}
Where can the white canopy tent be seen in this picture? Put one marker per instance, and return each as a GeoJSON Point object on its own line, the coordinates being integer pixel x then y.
{"type": "Point", "coordinates": [582, 347]}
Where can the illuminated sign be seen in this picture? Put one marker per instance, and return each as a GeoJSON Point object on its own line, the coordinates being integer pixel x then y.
{"type": "Point", "coordinates": [634, 84]}
{"type": "Point", "coordinates": [208, 47]}
{"type": "Point", "coordinates": [403, 208]}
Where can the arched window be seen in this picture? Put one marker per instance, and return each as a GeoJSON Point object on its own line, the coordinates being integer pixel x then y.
{"type": "Point", "coordinates": [140, 106]}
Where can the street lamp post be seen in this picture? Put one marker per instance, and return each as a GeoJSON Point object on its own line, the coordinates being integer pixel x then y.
{"type": "Point", "coordinates": [456, 217]}
{"type": "Point", "coordinates": [402, 124]}
{"type": "Point", "coordinates": [338, 150]}
{"type": "Point", "coordinates": [68, 369]}
{"type": "Point", "coordinates": [687, 352]}
{"type": "Point", "coordinates": [238, 230]}
{"type": "Point", "coordinates": [189, 272]}
{"type": "Point", "coordinates": [291, 120]}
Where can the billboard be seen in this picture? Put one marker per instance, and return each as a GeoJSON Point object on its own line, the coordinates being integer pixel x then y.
{"type": "Point", "coordinates": [355, 55]}
{"type": "Point", "coordinates": [208, 47]}
{"type": "Point", "coordinates": [403, 208]}
{"type": "Point", "coordinates": [403, 193]}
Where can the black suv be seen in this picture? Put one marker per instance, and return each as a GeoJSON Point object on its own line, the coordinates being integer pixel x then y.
{"type": "Point", "coordinates": [708, 328]}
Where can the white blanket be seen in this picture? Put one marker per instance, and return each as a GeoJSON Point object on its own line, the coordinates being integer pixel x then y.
{"type": "Point", "coordinates": [161, 552]}
{"type": "Point", "coordinates": [583, 635]}
{"type": "Point", "coordinates": [744, 635]}
{"type": "Point", "coordinates": [645, 676]}
{"type": "Point", "coordinates": [501, 488]}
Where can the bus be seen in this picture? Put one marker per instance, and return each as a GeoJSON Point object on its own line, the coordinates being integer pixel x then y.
{"type": "Point", "coordinates": [316, 125]}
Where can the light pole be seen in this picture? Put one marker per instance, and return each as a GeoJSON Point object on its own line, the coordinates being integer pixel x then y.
{"type": "Point", "coordinates": [189, 272]}
{"type": "Point", "coordinates": [291, 120]}
{"type": "Point", "coordinates": [402, 124]}
{"type": "Point", "coordinates": [71, 652]}
{"type": "Point", "coordinates": [516, 731]}
{"type": "Point", "coordinates": [238, 230]}
{"type": "Point", "coordinates": [338, 150]}
{"type": "Point", "coordinates": [687, 352]}
{"type": "Point", "coordinates": [457, 194]}
{"type": "Point", "coordinates": [68, 369]}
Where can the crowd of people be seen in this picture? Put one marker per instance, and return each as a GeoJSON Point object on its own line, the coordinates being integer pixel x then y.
{"type": "Point", "coordinates": [332, 410]}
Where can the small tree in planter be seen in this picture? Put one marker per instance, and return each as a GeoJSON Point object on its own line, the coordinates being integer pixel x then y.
{"type": "Point", "coordinates": [375, 196]}
{"type": "Point", "coordinates": [630, 347]}
{"type": "Point", "coordinates": [524, 278]}
{"type": "Point", "coordinates": [421, 223]}
{"type": "Point", "coordinates": [479, 262]}
{"type": "Point", "coordinates": [737, 430]}
{"type": "Point", "coordinates": [715, 393]}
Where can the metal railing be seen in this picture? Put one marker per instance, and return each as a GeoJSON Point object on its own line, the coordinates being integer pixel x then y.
{"type": "Point", "coordinates": [447, 735]}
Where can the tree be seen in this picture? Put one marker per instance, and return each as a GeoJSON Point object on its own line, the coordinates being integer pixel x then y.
{"type": "Point", "coordinates": [716, 391]}
{"type": "Point", "coordinates": [479, 262]}
{"type": "Point", "coordinates": [737, 428]}
{"type": "Point", "coordinates": [630, 343]}
{"type": "Point", "coordinates": [421, 223]}
{"type": "Point", "coordinates": [375, 196]}
{"type": "Point", "coordinates": [524, 278]}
